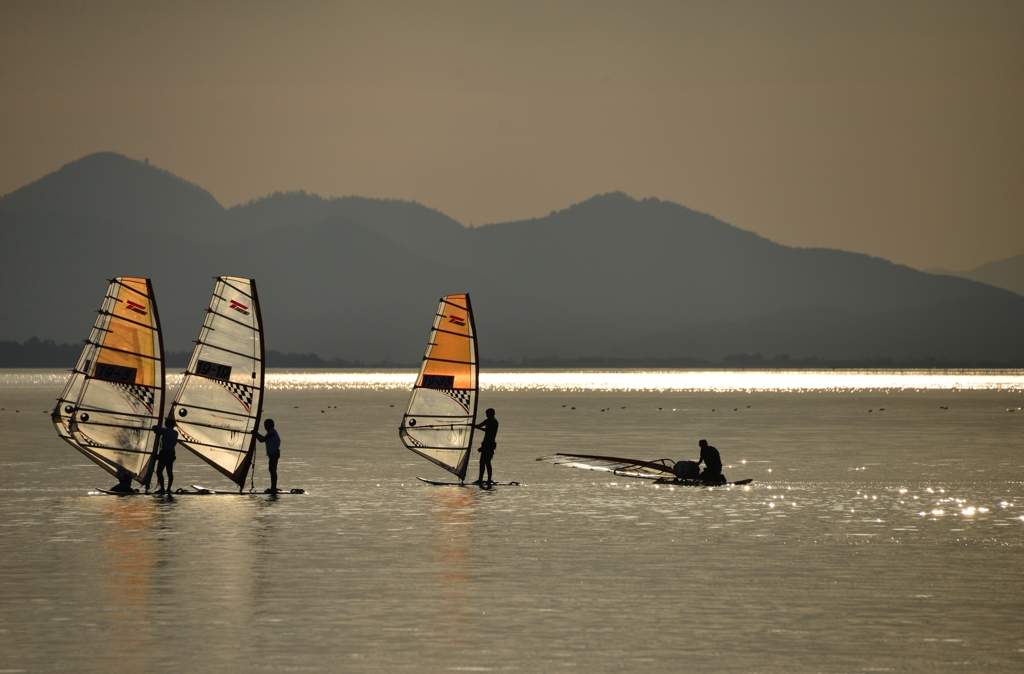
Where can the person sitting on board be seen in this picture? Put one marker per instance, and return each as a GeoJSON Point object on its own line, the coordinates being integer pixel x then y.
{"type": "Point", "coordinates": [712, 461]}
{"type": "Point", "coordinates": [273, 441]}
{"type": "Point", "coordinates": [487, 447]}
{"type": "Point", "coordinates": [165, 458]}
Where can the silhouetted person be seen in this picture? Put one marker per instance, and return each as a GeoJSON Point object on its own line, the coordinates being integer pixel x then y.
{"type": "Point", "coordinates": [273, 441]}
{"type": "Point", "coordinates": [712, 463]}
{"type": "Point", "coordinates": [165, 457]}
{"type": "Point", "coordinates": [487, 447]}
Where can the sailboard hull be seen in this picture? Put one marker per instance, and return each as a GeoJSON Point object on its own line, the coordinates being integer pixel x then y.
{"type": "Point", "coordinates": [486, 485]}
{"type": "Point", "coordinates": [197, 492]}
{"type": "Point", "coordinates": [701, 483]}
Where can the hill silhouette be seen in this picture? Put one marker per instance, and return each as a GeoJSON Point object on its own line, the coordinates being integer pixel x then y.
{"type": "Point", "coordinates": [358, 279]}
{"type": "Point", "coordinates": [1007, 274]}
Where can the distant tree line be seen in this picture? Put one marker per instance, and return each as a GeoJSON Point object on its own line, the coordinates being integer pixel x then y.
{"type": "Point", "coordinates": [48, 354]}
{"type": "Point", "coordinates": [36, 353]}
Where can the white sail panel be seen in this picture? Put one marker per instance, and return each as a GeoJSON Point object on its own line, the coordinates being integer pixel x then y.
{"type": "Point", "coordinates": [115, 394]}
{"type": "Point", "coordinates": [219, 404]}
{"type": "Point", "coordinates": [438, 421]}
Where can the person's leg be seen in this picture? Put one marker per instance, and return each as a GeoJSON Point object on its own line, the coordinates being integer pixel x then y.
{"type": "Point", "coordinates": [170, 475]}
{"type": "Point", "coordinates": [487, 461]}
{"type": "Point", "coordinates": [480, 478]}
{"type": "Point", "coordinates": [272, 464]}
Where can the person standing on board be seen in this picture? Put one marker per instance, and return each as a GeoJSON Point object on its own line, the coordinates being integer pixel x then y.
{"type": "Point", "coordinates": [712, 461]}
{"type": "Point", "coordinates": [165, 458]}
{"type": "Point", "coordinates": [487, 447]}
{"type": "Point", "coordinates": [273, 441]}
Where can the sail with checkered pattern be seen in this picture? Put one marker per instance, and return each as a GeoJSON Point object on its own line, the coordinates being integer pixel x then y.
{"type": "Point", "coordinates": [115, 394]}
{"type": "Point", "coordinates": [220, 401]}
{"type": "Point", "coordinates": [438, 421]}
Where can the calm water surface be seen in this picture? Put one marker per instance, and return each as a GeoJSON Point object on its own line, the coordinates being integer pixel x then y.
{"type": "Point", "coordinates": [884, 531]}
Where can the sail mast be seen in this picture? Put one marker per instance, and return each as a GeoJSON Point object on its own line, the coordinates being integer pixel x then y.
{"type": "Point", "coordinates": [439, 418]}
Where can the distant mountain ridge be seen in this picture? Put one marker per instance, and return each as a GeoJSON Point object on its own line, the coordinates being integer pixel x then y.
{"type": "Point", "coordinates": [358, 279]}
{"type": "Point", "coordinates": [1007, 274]}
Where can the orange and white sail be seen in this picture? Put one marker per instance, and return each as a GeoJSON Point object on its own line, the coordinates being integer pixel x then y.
{"type": "Point", "coordinates": [115, 394]}
{"type": "Point", "coordinates": [438, 421]}
{"type": "Point", "coordinates": [219, 404]}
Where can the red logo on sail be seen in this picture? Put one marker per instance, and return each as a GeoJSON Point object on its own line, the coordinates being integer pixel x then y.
{"type": "Point", "coordinates": [238, 306]}
{"type": "Point", "coordinates": [457, 320]}
{"type": "Point", "coordinates": [136, 307]}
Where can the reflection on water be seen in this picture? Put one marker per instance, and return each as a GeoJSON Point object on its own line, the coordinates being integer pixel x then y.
{"type": "Point", "coordinates": [130, 559]}
{"type": "Point", "coordinates": [451, 511]}
{"type": "Point", "coordinates": [883, 532]}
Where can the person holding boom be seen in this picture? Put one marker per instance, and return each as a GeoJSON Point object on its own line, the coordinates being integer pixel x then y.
{"type": "Point", "coordinates": [273, 442]}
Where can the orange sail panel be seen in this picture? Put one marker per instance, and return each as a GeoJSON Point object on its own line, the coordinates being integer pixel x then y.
{"type": "Point", "coordinates": [438, 421]}
{"type": "Point", "coordinates": [115, 394]}
{"type": "Point", "coordinates": [219, 404]}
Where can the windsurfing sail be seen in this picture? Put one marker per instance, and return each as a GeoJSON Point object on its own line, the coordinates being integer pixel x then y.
{"type": "Point", "coordinates": [115, 394]}
{"type": "Point", "coordinates": [219, 404]}
{"type": "Point", "coordinates": [438, 421]}
{"type": "Point", "coordinates": [648, 470]}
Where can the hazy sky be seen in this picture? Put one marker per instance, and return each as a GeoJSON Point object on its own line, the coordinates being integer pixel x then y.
{"type": "Point", "coordinates": [891, 128]}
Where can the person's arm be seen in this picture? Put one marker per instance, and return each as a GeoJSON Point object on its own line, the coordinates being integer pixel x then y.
{"type": "Point", "coordinates": [259, 437]}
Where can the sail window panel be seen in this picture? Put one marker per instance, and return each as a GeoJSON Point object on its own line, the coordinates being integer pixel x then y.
{"type": "Point", "coordinates": [130, 399]}
{"type": "Point", "coordinates": [219, 438]}
{"type": "Point", "coordinates": [444, 457]}
{"type": "Point", "coordinates": [216, 394]}
{"type": "Point", "coordinates": [104, 429]}
{"type": "Point", "coordinates": [438, 432]}
{"type": "Point", "coordinates": [445, 402]}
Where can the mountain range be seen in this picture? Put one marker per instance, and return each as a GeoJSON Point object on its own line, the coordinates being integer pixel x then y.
{"type": "Point", "coordinates": [1007, 274]}
{"type": "Point", "coordinates": [358, 279]}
